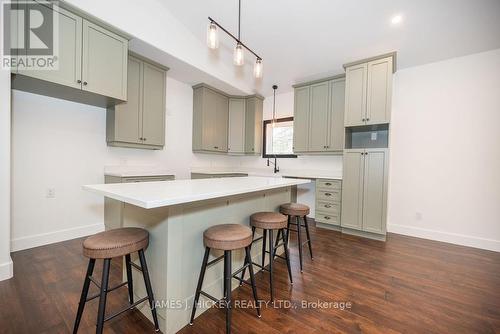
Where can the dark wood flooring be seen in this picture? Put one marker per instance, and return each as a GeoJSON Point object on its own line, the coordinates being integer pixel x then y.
{"type": "Point", "coordinates": [406, 285]}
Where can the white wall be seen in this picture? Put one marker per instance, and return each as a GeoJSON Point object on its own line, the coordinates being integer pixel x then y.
{"type": "Point", "coordinates": [60, 144]}
{"type": "Point", "coordinates": [445, 151]}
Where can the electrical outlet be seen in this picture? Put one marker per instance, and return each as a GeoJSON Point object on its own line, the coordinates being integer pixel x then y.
{"type": "Point", "coordinates": [374, 136]}
{"type": "Point", "coordinates": [51, 193]}
{"type": "Point", "coordinates": [418, 215]}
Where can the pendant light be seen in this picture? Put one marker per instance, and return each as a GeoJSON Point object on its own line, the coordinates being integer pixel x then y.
{"type": "Point", "coordinates": [273, 122]}
{"type": "Point", "coordinates": [212, 36]}
{"type": "Point", "coordinates": [239, 52]}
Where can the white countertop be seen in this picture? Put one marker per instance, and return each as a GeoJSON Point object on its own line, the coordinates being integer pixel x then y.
{"type": "Point", "coordinates": [150, 195]}
{"type": "Point", "coordinates": [296, 173]}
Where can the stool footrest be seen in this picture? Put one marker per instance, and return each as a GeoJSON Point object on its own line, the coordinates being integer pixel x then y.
{"type": "Point", "coordinates": [126, 309]}
{"type": "Point", "coordinates": [214, 261]}
{"type": "Point", "coordinates": [108, 290]}
{"type": "Point", "coordinates": [135, 266]}
{"type": "Point", "coordinates": [212, 298]}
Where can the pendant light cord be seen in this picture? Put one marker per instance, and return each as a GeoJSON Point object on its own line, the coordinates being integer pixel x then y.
{"type": "Point", "coordinates": [239, 19]}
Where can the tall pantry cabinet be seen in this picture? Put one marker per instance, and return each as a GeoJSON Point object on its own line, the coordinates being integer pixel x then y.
{"type": "Point", "coordinates": [368, 93]}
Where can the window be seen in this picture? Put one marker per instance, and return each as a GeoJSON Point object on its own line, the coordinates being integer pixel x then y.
{"type": "Point", "coordinates": [278, 140]}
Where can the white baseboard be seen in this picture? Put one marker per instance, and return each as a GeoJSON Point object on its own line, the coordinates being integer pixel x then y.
{"type": "Point", "coordinates": [56, 236]}
{"type": "Point", "coordinates": [6, 270]}
{"type": "Point", "coordinates": [454, 238]}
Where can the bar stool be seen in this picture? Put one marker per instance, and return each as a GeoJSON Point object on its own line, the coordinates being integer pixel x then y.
{"type": "Point", "coordinates": [106, 245]}
{"type": "Point", "coordinates": [298, 211]}
{"type": "Point", "coordinates": [269, 222]}
{"type": "Point", "coordinates": [226, 237]}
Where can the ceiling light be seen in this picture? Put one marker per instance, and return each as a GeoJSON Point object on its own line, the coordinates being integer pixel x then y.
{"type": "Point", "coordinates": [239, 52]}
{"type": "Point", "coordinates": [257, 68]}
{"type": "Point", "coordinates": [397, 19]}
{"type": "Point", "coordinates": [212, 36]}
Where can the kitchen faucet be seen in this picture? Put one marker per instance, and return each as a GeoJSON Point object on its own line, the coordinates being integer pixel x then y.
{"type": "Point", "coordinates": [275, 163]}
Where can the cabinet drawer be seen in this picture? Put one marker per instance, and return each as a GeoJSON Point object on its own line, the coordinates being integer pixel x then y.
{"type": "Point", "coordinates": [325, 184]}
{"type": "Point", "coordinates": [328, 195]}
{"type": "Point", "coordinates": [328, 207]}
{"type": "Point", "coordinates": [327, 218]}
{"type": "Point", "coordinates": [148, 179]}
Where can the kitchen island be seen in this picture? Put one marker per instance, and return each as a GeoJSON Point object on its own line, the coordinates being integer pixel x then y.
{"type": "Point", "coordinates": [176, 213]}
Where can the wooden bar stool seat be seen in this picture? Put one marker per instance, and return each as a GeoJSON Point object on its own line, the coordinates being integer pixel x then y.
{"type": "Point", "coordinates": [294, 209]}
{"type": "Point", "coordinates": [115, 243]}
{"type": "Point", "coordinates": [226, 237]}
{"type": "Point", "coordinates": [107, 245]}
{"type": "Point", "coordinates": [298, 211]}
{"type": "Point", "coordinates": [270, 222]}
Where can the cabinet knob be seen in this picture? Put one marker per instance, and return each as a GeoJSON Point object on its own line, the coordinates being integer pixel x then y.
{"type": "Point", "coordinates": [328, 194]}
{"type": "Point", "coordinates": [85, 83]}
{"type": "Point", "coordinates": [328, 206]}
{"type": "Point", "coordinates": [216, 147]}
{"type": "Point", "coordinates": [328, 184]}
{"type": "Point", "coordinates": [363, 119]}
{"type": "Point", "coordinates": [144, 139]}
{"type": "Point", "coordinates": [78, 81]}
{"type": "Point", "coordinates": [367, 119]}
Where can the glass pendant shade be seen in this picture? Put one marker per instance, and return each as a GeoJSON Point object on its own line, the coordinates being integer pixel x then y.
{"type": "Point", "coordinates": [257, 69]}
{"type": "Point", "coordinates": [212, 36]}
{"type": "Point", "coordinates": [239, 58]}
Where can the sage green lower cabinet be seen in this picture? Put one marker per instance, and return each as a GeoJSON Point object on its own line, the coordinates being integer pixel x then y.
{"type": "Point", "coordinates": [113, 209]}
{"type": "Point", "coordinates": [319, 117]}
{"type": "Point", "coordinates": [328, 201]}
{"type": "Point", "coordinates": [225, 123]}
{"type": "Point", "coordinates": [215, 176]}
{"type": "Point", "coordinates": [364, 190]}
{"type": "Point", "coordinates": [140, 122]}
{"type": "Point", "coordinates": [236, 136]}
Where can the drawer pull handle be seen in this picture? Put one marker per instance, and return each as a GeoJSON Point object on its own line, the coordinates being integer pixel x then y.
{"type": "Point", "coordinates": [328, 194]}
{"type": "Point", "coordinates": [327, 218]}
{"type": "Point", "coordinates": [328, 206]}
{"type": "Point", "coordinates": [328, 184]}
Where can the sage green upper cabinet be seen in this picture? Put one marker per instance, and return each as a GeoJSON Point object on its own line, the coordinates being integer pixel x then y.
{"type": "Point", "coordinates": [336, 119]}
{"type": "Point", "coordinates": [253, 125]}
{"type": "Point", "coordinates": [104, 69]}
{"type": "Point", "coordinates": [69, 63]}
{"type": "Point", "coordinates": [318, 117]}
{"type": "Point", "coordinates": [210, 120]}
{"type": "Point", "coordinates": [364, 190]}
{"type": "Point", "coordinates": [355, 95]}
{"type": "Point", "coordinates": [379, 91]}
{"type": "Point", "coordinates": [140, 122]}
{"type": "Point", "coordinates": [369, 91]}
{"type": "Point", "coordinates": [301, 119]}
{"type": "Point", "coordinates": [236, 136]}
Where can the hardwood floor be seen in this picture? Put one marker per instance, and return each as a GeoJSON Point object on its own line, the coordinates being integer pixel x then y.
{"type": "Point", "coordinates": [406, 285]}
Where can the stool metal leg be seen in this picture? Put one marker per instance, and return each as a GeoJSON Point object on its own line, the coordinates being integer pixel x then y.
{"type": "Point", "coordinates": [264, 234]}
{"type": "Point", "coordinates": [227, 293]}
{"type": "Point", "coordinates": [149, 289]}
{"type": "Point", "coordinates": [129, 279]}
{"type": "Point", "coordinates": [83, 297]}
{"type": "Point", "coordinates": [102, 296]}
{"type": "Point", "coordinates": [284, 237]}
{"type": "Point", "coordinates": [200, 283]}
{"type": "Point", "coordinates": [278, 236]}
{"type": "Point", "coordinates": [252, 279]}
{"type": "Point", "coordinates": [245, 262]}
{"type": "Point", "coordinates": [271, 257]}
{"type": "Point", "coordinates": [288, 228]}
{"type": "Point", "coordinates": [308, 236]}
{"type": "Point", "coordinates": [299, 238]}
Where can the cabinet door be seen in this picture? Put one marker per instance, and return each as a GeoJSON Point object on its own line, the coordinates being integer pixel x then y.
{"type": "Point", "coordinates": [253, 120]}
{"type": "Point", "coordinates": [105, 56]}
{"type": "Point", "coordinates": [379, 91]}
{"type": "Point", "coordinates": [221, 123]}
{"type": "Point", "coordinates": [336, 119]}
{"type": "Point", "coordinates": [236, 137]}
{"type": "Point", "coordinates": [318, 119]}
{"type": "Point", "coordinates": [153, 105]}
{"type": "Point", "coordinates": [355, 95]}
{"type": "Point", "coordinates": [69, 57]}
{"type": "Point", "coordinates": [301, 119]}
{"type": "Point", "coordinates": [209, 114]}
{"type": "Point", "coordinates": [375, 190]}
{"type": "Point", "coordinates": [352, 189]}
{"type": "Point", "coordinates": [127, 116]}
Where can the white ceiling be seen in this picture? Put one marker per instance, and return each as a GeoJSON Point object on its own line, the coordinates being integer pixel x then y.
{"type": "Point", "coordinates": [301, 40]}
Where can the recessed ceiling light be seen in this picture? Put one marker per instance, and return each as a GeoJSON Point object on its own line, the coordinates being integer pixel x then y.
{"type": "Point", "coordinates": [397, 19]}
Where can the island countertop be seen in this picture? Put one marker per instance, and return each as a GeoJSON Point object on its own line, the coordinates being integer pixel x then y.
{"type": "Point", "coordinates": [151, 195]}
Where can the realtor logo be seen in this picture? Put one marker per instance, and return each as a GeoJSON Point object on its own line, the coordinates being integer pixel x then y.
{"type": "Point", "coordinates": [30, 38]}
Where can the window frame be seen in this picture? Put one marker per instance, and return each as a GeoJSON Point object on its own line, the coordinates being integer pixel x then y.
{"type": "Point", "coordinates": [264, 153]}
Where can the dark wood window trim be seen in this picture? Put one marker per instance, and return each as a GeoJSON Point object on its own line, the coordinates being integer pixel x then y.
{"type": "Point", "coordinates": [264, 153]}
